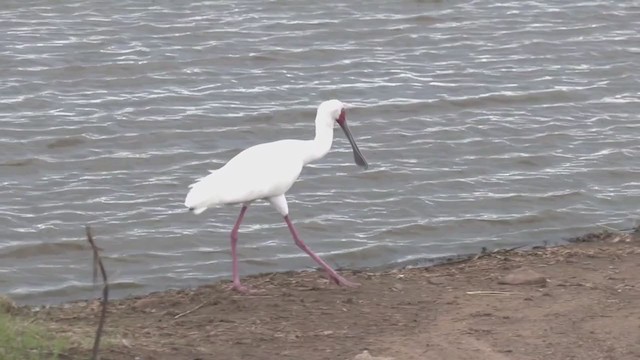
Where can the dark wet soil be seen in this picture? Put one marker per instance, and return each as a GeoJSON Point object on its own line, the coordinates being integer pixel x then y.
{"type": "Point", "coordinates": [584, 304]}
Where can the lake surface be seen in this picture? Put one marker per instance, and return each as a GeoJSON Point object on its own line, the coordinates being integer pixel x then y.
{"type": "Point", "coordinates": [486, 124]}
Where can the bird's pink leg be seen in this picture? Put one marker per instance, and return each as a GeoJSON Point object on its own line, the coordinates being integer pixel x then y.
{"type": "Point", "coordinates": [333, 275]}
{"type": "Point", "coordinates": [234, 242]}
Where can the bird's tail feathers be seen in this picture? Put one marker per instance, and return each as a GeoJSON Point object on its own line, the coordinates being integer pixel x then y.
{"type": "Point", "coordinates": [197, 210]}
{"type": "Point", "coordinates": [201, 194]}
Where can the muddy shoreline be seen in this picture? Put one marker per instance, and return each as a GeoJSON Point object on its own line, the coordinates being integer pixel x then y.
{"type": "Point", "coordinates": [580, 300]}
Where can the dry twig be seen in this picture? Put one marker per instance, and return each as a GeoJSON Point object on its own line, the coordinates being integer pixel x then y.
{"type": "Point", "coordinates": [490, 292]}
{"type": "Point", "coordinates": [190, 311]}
{"type": "Point", "coordinates": [97, 263]}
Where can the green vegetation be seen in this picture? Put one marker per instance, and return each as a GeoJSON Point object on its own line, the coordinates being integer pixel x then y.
{"type": "Point", "coordinates": [21, 340]}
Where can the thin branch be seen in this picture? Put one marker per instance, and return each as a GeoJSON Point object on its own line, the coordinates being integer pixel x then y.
{"type": "Point", "coordinates": [105, 292]}
{"type": "Point", "coordinates": [490, 292]}
{"type": "Point", "coordinates": [190, 311]}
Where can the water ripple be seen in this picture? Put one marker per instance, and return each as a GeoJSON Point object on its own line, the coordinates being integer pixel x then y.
{"type": "Point", "coordinates": [487, 125]}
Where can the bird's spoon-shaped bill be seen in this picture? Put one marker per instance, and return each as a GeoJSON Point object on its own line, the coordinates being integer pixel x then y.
{"type": "Point", "coordinates": [357, 155]}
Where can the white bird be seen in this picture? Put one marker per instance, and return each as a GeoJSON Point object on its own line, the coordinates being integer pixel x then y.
{"type": "Point", "coordinates": [267, 171]}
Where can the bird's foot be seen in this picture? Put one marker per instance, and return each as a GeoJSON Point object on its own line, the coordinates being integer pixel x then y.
{"type": "Point", "coordinates": [243, 289]}
{"type": "Point", "coordinates": [339, 280]}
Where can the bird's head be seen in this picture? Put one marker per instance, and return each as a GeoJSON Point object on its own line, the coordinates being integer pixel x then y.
{"type": "Point", "coordinates": [337, 111]}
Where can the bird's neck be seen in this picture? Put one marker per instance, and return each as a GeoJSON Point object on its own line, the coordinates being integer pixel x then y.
{"type": "Point", "coordinates": [321, 144]}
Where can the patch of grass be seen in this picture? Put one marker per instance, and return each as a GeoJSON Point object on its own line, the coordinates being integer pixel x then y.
{"type": "Point", "coordinates": [20, 340]}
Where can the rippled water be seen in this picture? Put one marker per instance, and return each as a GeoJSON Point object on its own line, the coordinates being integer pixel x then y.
{"type": "Point", "coordinates": [486, 123]}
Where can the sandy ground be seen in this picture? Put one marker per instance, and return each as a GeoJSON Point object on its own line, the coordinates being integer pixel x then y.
{"type": "Point", "coordinates": [579, 301]}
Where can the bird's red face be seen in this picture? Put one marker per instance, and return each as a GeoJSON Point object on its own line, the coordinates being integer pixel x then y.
{"type": "Point", "coordinates": [342, 118]}
{"type": "Point", "coordinates": [357, 155]}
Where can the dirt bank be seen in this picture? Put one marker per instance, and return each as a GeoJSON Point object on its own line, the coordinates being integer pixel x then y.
{"type": "Point", "coordinates": [580, 301]}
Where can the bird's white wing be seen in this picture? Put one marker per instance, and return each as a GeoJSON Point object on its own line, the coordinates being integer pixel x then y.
{"type": "Point", "coordinates": [258, 172]}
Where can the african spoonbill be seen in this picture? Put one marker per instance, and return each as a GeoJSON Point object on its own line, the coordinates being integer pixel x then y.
{"type": "Point", "coordinates": [267, 171]}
